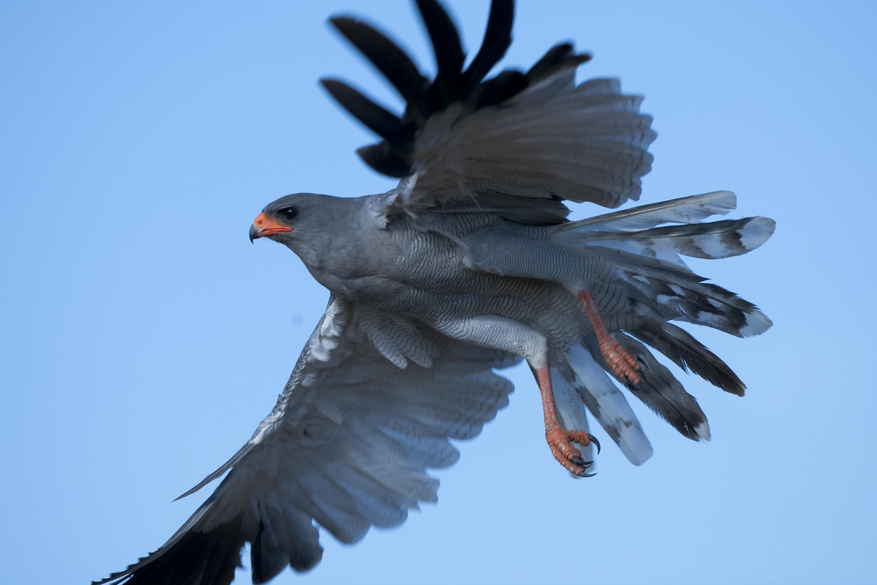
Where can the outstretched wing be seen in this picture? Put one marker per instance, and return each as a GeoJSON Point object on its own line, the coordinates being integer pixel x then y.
{"type": "Point", "coordinates": [517, 143]}
{"type": "Point", "coordinates": [371, 404]}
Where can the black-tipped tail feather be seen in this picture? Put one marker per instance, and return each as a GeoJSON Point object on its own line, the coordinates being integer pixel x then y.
{"type": "Point", "coordinates": [663, 393]}
{"type": "Point", "coordinates": [689, 354]}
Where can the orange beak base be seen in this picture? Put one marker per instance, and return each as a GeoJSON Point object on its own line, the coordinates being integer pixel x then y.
{"type": "Point", "coordinates": [265, 226]}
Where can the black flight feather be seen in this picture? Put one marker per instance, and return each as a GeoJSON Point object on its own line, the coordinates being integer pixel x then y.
{"type": "Point", "coordinates": [451, 84]}
{"type": "Point", "coordinates": [197, 557]}
{"type": "Point", "coordinates": [382, 158]}
{"type": "Point", "coordinates": [500, 88]}
{"type": "Point", "coordinates": [497, 39]}
{"type": "Point", "coordinates": [381, 121]}
{"type": "Point", "coordinates": [390, 60]}
{"type": "Point", "coordinates": [562, 54]}
{"type": "Point", "coordinates": [449, 55]}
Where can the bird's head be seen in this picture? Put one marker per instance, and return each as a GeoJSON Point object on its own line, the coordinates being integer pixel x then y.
{"type": "Point", "coordinates": [290, 218]}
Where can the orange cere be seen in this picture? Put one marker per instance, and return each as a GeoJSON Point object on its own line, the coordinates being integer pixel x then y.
{"type": "Point", "coordinates": [267, 225]}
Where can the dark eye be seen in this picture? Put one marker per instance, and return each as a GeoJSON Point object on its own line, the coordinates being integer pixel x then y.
{"type": "Point", "coordinates": [288, 213]}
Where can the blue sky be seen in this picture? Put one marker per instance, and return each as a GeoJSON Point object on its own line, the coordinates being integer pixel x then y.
{"type": "Point", "coordinates": [142, 337]}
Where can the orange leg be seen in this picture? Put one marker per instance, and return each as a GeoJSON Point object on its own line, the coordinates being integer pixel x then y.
{"type": "Point", "coordinates": [560, 439]}
{"type": "Point", "coordinates": [620, 360]}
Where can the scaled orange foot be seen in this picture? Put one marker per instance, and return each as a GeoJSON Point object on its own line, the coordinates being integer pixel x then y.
{"type": "Point", "coordinates": [620, 360]}
{"type": "Point", "coordinates": [559, 441]}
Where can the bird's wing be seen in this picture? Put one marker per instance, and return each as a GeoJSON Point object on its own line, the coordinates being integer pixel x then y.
{"type": "Point", "coordinates": [371, 404]}
{"type": "Point", "coordinates": [518, 143]}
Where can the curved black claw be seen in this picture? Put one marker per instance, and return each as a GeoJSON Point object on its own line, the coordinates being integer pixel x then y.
{"type": "Point", "coordinates": [596, 442]}
{"type": "Point", "coordinates": [583, 474]}
{"type": "Point", "coordinates": [581, 462]}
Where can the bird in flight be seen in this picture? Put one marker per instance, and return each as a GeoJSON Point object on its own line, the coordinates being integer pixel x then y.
{"type": "Point", "coordinates": [468, 266]}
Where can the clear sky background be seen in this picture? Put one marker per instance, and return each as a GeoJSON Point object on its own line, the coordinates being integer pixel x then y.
{"type": "Point", "coordinates": [142, 337]}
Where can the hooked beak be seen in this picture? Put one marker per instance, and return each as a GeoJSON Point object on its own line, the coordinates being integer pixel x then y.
{"type": "Point", "coordinates": [265, 226]}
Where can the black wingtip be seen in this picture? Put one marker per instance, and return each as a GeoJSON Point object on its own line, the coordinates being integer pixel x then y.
{"type": "Point", "coordinates": [497, 39]}
{"type": "Point", "coordinates": [447, 48]}
{"type": "Point", "coordinates": [560, 55]}
{"type": "Point", "coordinates": [500, 88]}
{"type": "Point", "coordinates": [382, 158]}
{"type": "Point", "coordinates": [380, 120]}
{"type": "Point", "coordinates": [393, 63]}
{"type": "Point", "coordinates": [425, 97]}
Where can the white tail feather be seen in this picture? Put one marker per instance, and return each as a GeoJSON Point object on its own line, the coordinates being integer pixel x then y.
{"type": "Point", "coordinates": [609, 406]}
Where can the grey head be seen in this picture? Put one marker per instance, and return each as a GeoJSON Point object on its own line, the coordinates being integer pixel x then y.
{"type": "Point", "coordinates": [295, 219]}
{"type": "Point", "coordinates": [315, 227]}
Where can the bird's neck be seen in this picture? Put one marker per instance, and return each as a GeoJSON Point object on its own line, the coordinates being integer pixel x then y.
{"type": "Point", "coordinates": [352, 255]}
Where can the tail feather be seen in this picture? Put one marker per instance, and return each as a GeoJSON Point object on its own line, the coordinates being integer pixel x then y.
{"type": "Point", "coordinates": [715, 240]}
{"type": "Point", "coordinates": [688, 353]}
{"type": "Point", "coordinates": [680, 294]}
{"type": "Point", "coordinates": [663, 393]}
{"type": "Point", "coordinates": [609, 406]}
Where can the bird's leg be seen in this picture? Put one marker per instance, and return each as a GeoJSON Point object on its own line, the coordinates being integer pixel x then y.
{"type": "Point", "coordinates": [560, 439]}
{"type": "Point", "coordinates": [621, 361]}
{"type": "Point", "coordinates": [514, 337]}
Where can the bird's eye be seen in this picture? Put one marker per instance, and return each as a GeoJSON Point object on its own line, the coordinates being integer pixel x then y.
{"type": "Point", "coordinates": [288, 213]}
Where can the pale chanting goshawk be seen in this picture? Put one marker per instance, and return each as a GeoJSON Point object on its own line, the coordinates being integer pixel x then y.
{"type": "Point", "coordinates": [470, 264]}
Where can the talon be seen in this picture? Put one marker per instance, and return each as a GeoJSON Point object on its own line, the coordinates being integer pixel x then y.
{"type": "Point", "coordinates": [584, 439]}
{"type": "Point", "coordinates": [585, 465]}
{"type": "Point", "coordinates": [594, 440]}
{"type": "Point", "coordinates": [560, 441]}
